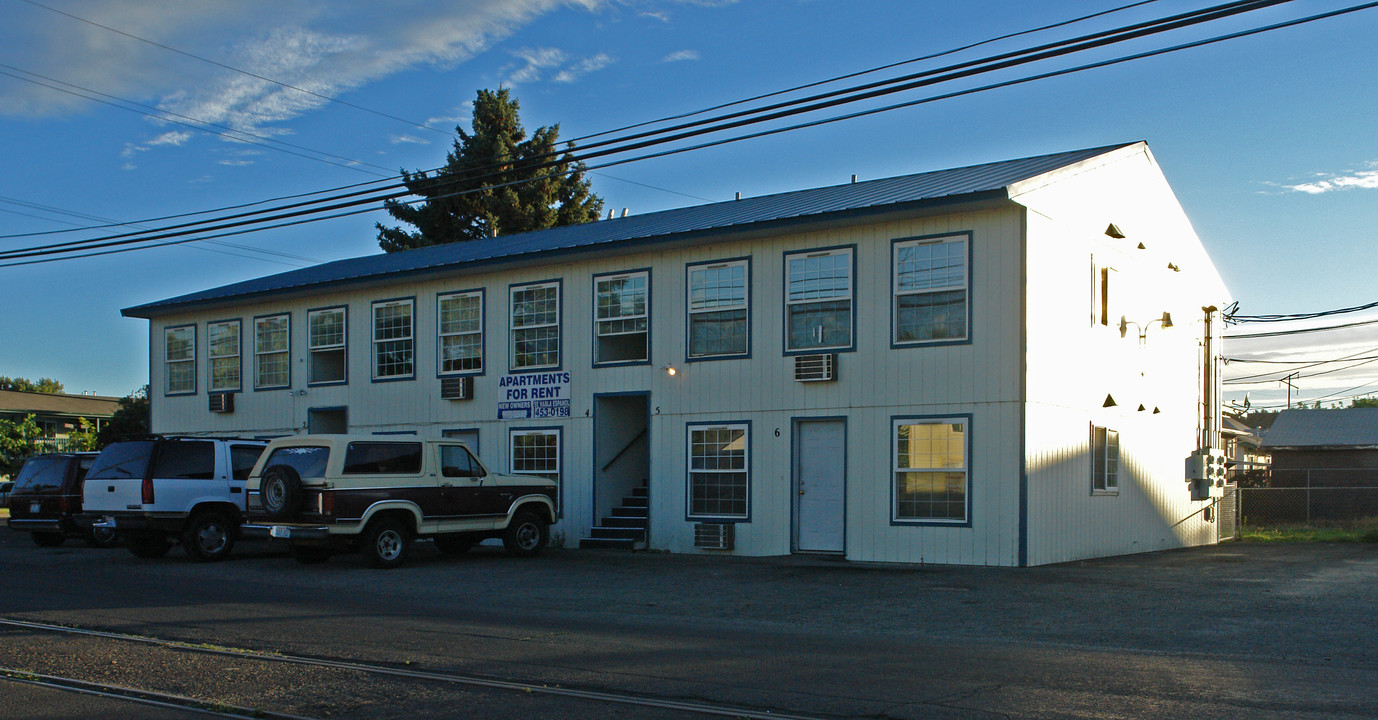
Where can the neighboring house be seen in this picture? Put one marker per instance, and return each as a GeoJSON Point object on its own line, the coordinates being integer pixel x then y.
{"type": "Point", "coordinates": [991, 365]}
{"type": "Point", "coordinates": [1243, 448]}
{"type": "Point", "coordinates": [57, 414]}
{"type": "Point", "coordinates": [1314, 439]}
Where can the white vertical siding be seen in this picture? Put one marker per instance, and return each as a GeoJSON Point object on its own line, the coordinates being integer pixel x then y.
{"type": "Point", "coordinates": [1074, 363]}
{"type": "Point", "coordinates": [980, 379]}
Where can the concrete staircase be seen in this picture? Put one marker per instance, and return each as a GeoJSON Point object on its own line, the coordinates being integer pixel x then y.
{"type": "Point", "coordinates": [625, 528]}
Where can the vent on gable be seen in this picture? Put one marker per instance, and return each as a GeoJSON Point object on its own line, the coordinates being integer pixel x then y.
{"type": "Point", "coordinates": [815, 368]}
{"type": "Point", "coordinates": [457, 388]}
{"type": "Point", "coordinates": [714, 536]}
{"type": "Point", "coordinates": [222, 402]}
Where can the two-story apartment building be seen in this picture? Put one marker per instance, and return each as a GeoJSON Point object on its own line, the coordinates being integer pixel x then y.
{"type": "Point", "coordinates": [1003, 364]}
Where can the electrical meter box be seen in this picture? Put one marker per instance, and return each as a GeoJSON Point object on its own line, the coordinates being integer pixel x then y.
{"type": "Point", "coordinates": [1206, 473]}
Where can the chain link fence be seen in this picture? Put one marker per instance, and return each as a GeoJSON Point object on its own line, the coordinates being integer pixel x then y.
{"type": "Point", "coordinates": [1329, 497]}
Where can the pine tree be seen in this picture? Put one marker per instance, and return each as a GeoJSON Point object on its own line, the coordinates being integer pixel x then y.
{"type": "Point", "coordinates": [496, 181]}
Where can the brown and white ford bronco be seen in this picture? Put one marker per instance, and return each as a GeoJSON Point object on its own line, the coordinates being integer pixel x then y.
{"type": "Point", "coordinates": [326, 493]}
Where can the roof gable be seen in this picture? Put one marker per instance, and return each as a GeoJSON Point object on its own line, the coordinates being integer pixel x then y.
{"type": "Point", "coordinates": [816, 204]}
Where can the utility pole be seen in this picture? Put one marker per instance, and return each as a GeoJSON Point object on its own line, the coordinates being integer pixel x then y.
{"type": "Point", "coordinates": [1288, 382]}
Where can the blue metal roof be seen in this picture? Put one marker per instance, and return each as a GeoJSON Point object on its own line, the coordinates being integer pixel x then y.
{"type": "Point", "coordinates": [1352, 427]}
{"type": "Point", "coordinates": [707, 221]}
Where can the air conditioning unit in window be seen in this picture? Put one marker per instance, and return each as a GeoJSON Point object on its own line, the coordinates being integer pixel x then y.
{"type": "Point", "coordinates": [815, 368]}
{"type": "Point", "coordinates": [457, 388]}
{"type": "Point", "coordinates": [222, 402]}
{"type": "Point", "coordinates": [714, 536]}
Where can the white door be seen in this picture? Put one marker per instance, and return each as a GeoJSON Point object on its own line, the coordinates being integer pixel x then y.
{"type": "Point", "coordinates": [820, 479]}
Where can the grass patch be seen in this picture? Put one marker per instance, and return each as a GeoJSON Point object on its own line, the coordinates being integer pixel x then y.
{"type": "Point", "coordinates": [1364, 531]}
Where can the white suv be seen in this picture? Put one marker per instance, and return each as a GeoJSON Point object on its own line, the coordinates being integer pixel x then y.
{"type": "Point", "coordinates": [154, 490]}
{"type": "Point", "coordinates": [330, 492]}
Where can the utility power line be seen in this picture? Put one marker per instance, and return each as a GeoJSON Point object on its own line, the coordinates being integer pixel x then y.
{"type": "Point", "coordinates": [1237, 7]}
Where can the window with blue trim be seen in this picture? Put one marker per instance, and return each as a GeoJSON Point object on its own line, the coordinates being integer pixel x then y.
{"type": "Point", "coordinates": [393, 348]}
{"type": "Point", "coordinates": [222, 339]}
{"type": "Point", "coordinates": [719, 471]}
{"type": "Point", "coordinates": [718, 309]}
{"type": "Point", "coordinates": [179, 360]}
{"type": "Point", "coordinates": [818, 300]}
{"type": "Point", "coordinates": [327, 338]}
{"type": "Point", "coordinates": [622, 312]}
{"type": "Point", "coordinates": [930, 285]}
{"type": "Point", "coordinates": [930, 469]}
{"type": "Point", "coordinates": [272, 354]}
{"type": "Point", "coordinates": [460, 324]}
{"type": "Point", "coordinates": [535, 326]}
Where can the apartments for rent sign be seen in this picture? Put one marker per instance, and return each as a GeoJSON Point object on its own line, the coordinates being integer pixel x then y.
{"type": "Point", "coordinates": [531, 396]}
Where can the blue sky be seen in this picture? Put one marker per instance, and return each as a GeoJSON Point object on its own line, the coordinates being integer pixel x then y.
{"type": "Point", "coordinates": [1269, 141]}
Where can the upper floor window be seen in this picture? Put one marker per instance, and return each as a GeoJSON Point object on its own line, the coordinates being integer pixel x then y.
{"type": "Point", "coordinates": [931, 475]}
{"type": "Point", "coordinates": [718, 324]}
{"type": "Point", "coordinates": [460, 323]}
{"type": "Point", "coordinates": [223, 350]}
{"type": "Point", "coordinates": [327, 331]}
{"type": "Point", "coordinates": [535, 326]}
{"type": "Point", "coordinates": [393, 349]}
{"type": "Point", "coordinates": [179, 359]}
{"type": "Point", "coordinates": [272, 360]}
{"type": "Point", "coordinates": [621, 307]}
{"type": "Point", "coordinates": [818, 300]}
{"type": "Point", "coordinates": [930, 285]}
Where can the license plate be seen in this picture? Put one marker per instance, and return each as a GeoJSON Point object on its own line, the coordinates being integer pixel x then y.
{"type": "Point", "coordinates": [279, 531]}
{"type": "Point", "coordinates": [35, 507]}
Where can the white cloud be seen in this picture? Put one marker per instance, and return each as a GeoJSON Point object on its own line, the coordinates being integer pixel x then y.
{"type": "Point", "coordinates": [681, 55]}
{"type": "Point", "coordinates": [535, 61]}
{"type": "Point", "coordinates": [175, 138]}
{"type": "Point", "coordinates": [584, 67]}
{"type": "Point", "coordinates": [408, 140]}
{"type": "Point", "coordinates": [318, 46]}
{"type": "Point", "coordinates": [236, 163]}
{"type": "Point", "coordinates": [1325, 182]}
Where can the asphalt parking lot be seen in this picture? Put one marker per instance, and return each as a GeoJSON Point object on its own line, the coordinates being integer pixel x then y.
{"type": "Point", "coordinates": [1236, 630]}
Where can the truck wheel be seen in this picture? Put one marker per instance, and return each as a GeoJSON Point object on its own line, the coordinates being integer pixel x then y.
{"type": "Point", "coordinates": [386, 542]}
{"type": "Point", "coordinates": [147, 543]}
{"type": "Point", "coordinates": [526, 535]}
{"type": "Point", "coordinates": [453, 544]}
{"type": "Point", "coordinates": [310, 554]}
{"type": "Point", "coordinates": [208, 537]}
{"type": "Point", "coordinates": [280, 491]}
{"type": "Point", "coordinates": [44, 539]}
{"type": "Point", "coordinates": [100, 537]}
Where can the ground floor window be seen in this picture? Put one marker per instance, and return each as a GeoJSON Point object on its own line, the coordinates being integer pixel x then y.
{"type": "Point", "coordinates": [719, 471]}
{"type": "Point", "coordinates": [536, 452]}
{"type": "Point", "coordinates": [1105, 460]}
{"type": "Point", "coordinates": [930, 469]}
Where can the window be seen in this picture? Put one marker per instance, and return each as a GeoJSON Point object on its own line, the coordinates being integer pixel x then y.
{"type": "Point", "coordinates": [326, 343]}
{"type": "Point", "coordinates": [185, 460]}
{"type": "Point", "coordinates": [242, 459]}
{"type": "Point", "coordinates": [179, 356]}
{"type": "Point", "coordinates": [309, 462]}
{"type": "Point", "coordinates": [461, 332]}
{"type": "Point", "coordinates": [930, 286]}
{"type": "Point", "coordinates": [455, 461]}
{"type": "Point", "coordinates": [272, 361]}
{"type": "Point", "coordinates": [1105, 460]}
{"type": "Point", "coordinates": [719, 471]}
{"type": "Point", "coordinates": [930, 470]}
{"type": "Point", "coordinates": [535, 326]}
{"type": "Point", "coordinates": [718, 309]}
{"type": "Point", "coordinates": [392, 340]}
{"type": "Point", "coordinates": [536, 452]}
{"type": "Point", "coordinates": [818, 300]}
{"type": "Point", "coordinates": [621, 313]}
{"type": "Point", "coordinates": [224, 354]}
{"type": "Point", "coordinates": [382, 458]}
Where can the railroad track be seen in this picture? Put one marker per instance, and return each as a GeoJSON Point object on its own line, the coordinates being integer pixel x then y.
{"type": "Point", "coordinates": [689, 707]}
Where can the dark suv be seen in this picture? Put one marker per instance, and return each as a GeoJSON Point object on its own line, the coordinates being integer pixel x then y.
{"type": "Point", "coordinates": [47, 498]}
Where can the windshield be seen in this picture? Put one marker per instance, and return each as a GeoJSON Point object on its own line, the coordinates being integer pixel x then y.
{"type": "Point", "coordinates": [42, 473]}
{"type": "Point", "coordinates": [127, 459]}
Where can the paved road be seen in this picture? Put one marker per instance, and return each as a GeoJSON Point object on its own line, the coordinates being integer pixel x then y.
{"type": "Point", "coordinates": [1247, 631]}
